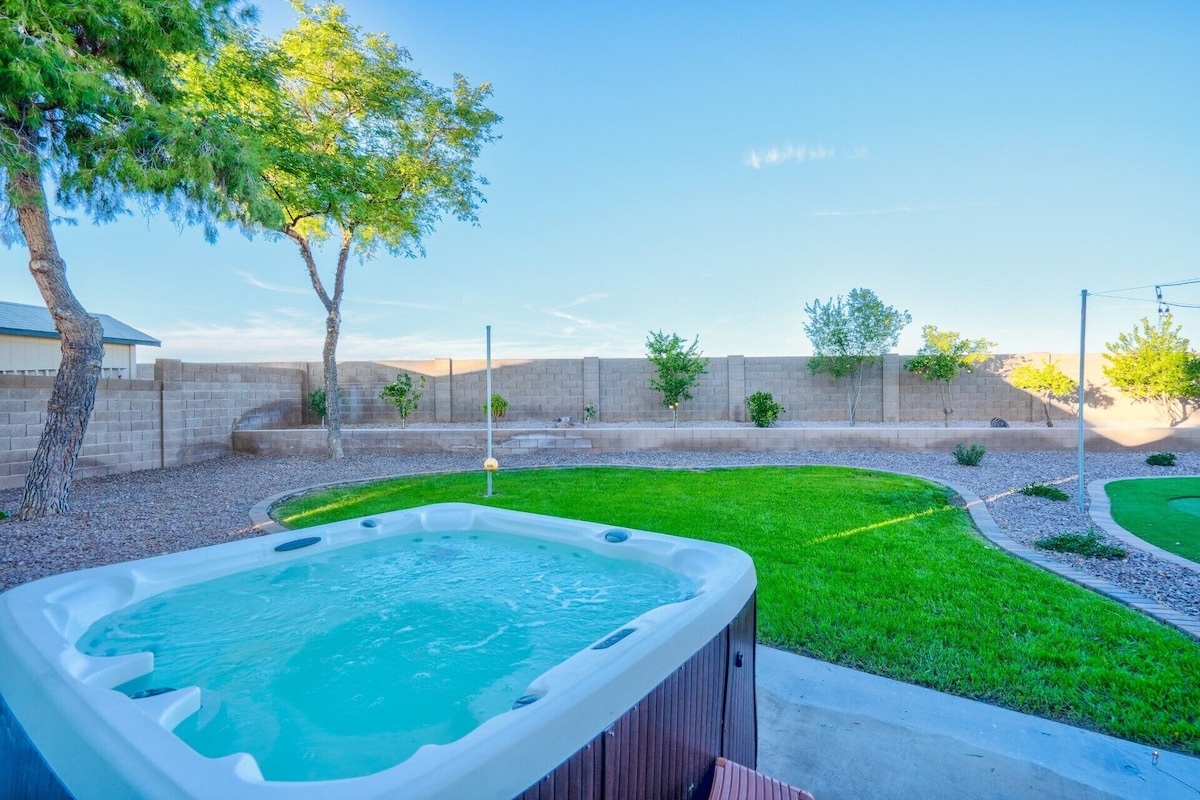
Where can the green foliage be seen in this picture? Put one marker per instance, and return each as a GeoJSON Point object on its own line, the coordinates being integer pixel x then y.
{"type": "Point", "coordinates": [1046, 381]}
{"type": "Point", "coordinates": [969, 455]}
{"type": "Point", "coordinates": [589, 412]}
{"type": "Point", "coordinates": [1088, 544]}
{"type": "Point", "coordinates": [1048, 492]}
{"type": "Point", "coordinates": [678, 367]}
{"type": "Point", "coordinates": [357, 147]}
{"type": "Point", "coordinates": [763, 409]}
{"type": "Point", "coordinates": [316, 402]}
{"type": "Point", "coordinates": [1154, 365]}
{"type": "Point", "coordinates": [403, 394]}
{"type": "Point", "coordinates": [90, 97]}
{"type": "Point", "coordinates": [3, 515]}
{"type": "Point", "coordinates": [943, 355]}
{"type": "Point", "coordinates": [850, 335]}
{"type": "Point", "coordinates": [499, 407]}
{"type": "Point", "coordinates": [1161, 459]}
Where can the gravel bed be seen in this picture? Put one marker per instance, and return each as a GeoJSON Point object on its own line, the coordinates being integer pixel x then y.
{"type": "Point", "coordinates": [118, 518]}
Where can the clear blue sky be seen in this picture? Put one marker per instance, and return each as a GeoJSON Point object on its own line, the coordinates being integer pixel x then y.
{"type": "Point", "coordinates": [711, 168]}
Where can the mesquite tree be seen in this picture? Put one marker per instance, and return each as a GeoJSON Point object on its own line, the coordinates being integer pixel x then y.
{"type": "Point", "coordinates": [1046, 381]}
{"type": "Point", "coordinates": [360, 149]}
{"type": "Point", "coordinates": [943, 356]}
{"type": "Point", "coordinates": [89, 104]}
{"type": "Point", "coordinates": [1154, 365]}
{"type": "Point", "coordinates": [850, 335]}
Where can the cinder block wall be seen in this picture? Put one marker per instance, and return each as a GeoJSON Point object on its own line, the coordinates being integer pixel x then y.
{"type": "Point", "coordinates": [178, 413]}
{"type": "Point", "coordinates": [186, 413]}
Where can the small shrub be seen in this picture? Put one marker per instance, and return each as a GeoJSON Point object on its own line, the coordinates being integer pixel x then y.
{"type": "Point", "coordinates": [764, 411]}
{"type": "Point", "coordinates": [589, 412]}
{"type": "Point", "coordinates": [3, 515]}
{"type": "Point", "coordinates": [316, 402]}
{"type": "Point", "coordinates": [969, 455]}
{"type": "Point", "coordinates": [1048, 492]}
{"type": "Point", "coordinates": [499, 407]}
{"type": "Point", "coordinates": [1085, 544]}
{"type": "Point", "coordinates": [1161, 460]}
{"type": "Point", "coordinates": [402, 394]}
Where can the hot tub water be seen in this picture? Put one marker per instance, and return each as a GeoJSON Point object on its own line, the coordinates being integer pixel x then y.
{"type": "Point", "coordinates": [345, 662]}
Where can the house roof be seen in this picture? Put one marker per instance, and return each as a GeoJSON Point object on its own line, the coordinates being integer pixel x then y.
{"type": "Point", "coordinates": [22, 320]}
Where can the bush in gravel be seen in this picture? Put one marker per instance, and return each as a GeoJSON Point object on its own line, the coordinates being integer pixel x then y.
{"type": "Point", "coordinates": [1161, 460]}
{"type": "Point", "coordinates": [1085, 544]}
{"type": "Point", "coordinates": [764, 411]}
{"type": "Point", "coordinates": [1048, 492]}
{"type": "Point", "coordinates": [969, 455]}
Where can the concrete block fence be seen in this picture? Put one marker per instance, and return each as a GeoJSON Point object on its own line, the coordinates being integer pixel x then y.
{"type": "Point", "coordinates": [178, 413]}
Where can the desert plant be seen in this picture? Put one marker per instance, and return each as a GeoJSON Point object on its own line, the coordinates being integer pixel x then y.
{"type": "Point", "coordinates": [969, 455]}
{"type": "Point", "coordinates": [589, 412]}
{"type": "Point", "coordinates": [1088, 544]}
{"type": "Point", "coordinates": [1048, 492]}
{"type": "Point", "coordinates": [1161, 459]}
{"type": "Point", "coordinates": [678, 367]}
{"type": "Point", "coordinates": [850, 335]}
{"type": "Point", "coordinates": [1046, 381]}
{"type": "Point", "coordinates": [499, 407]}
{"type": "Point", "coordinates": [943, 356]}
{"type": "Point", "coordinates": [403, 394]}
{"type": "Point", "coordinates": [763, 409]}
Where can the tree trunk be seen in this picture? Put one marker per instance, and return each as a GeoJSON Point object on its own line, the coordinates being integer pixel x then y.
{"type": "Point", "coordinates": [854, 391]}
{"type": "Point", "coordinates": [333, 324]}
{"type": "Point", "coordinates": [48, 483]}
{"type": "Point", "coordinates": [947, 410]}
{"type": "Point", "coordinates": [333, 400]}
{"type": "Point", "coordinates": [1046, 409]}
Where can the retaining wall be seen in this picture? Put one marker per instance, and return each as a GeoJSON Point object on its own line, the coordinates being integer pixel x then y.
{"type": "Point", "coordinates": [515, 441]}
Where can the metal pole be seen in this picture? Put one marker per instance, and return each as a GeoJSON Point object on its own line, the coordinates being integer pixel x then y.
{"type": "Point", "coordinates": [489, 408]}
{"type": "Point", "coordinates": [1082, 334]}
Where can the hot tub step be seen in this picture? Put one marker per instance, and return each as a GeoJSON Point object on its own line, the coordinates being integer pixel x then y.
{"type": "Point", "coordinates": [732, 781]}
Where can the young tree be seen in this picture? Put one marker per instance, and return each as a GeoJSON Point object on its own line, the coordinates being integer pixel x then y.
{"type": "Point", "coordinates": [678, 367]}
{"type": "Point", "coordinates": [1154, 365]}
{"type": "Point", "coordinates": [1046, 381]}
{"type": "Point", "coordinates": [943, 355]}
{"type": "Point", "coordinates": [360, 148]}
{"type": "Point", "coordinates": [850, 335]}
{"type": "Point", "coordinates": [89, 102]}
{"type": "Point", "coordinates": [403, 394]}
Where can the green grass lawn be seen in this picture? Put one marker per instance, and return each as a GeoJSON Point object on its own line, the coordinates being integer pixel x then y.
{"type": "Point", "coordinates": [1153, 509]}
{"type": "Point", "coordinates": [873, 571]}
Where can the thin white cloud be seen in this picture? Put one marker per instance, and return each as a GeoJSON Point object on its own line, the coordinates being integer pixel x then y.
{"type": "Point", "coordinates": [274, 337]}
{"type": "Point", "coordinates": [582, 322]}
{"type": "Point", "coordinates": [876, 212]}
{"type": "Point", "coordinates": [776, 155]}
{"type": "Point", "coordinates": [256, 283]}
{"type": "Point", "coordinates": [399, 304]}
{"type": "Point", "coordinates": [587, 298]}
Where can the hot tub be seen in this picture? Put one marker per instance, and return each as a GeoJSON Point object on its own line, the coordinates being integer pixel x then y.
{"type": "Point", "coordinates": [642, 711]}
